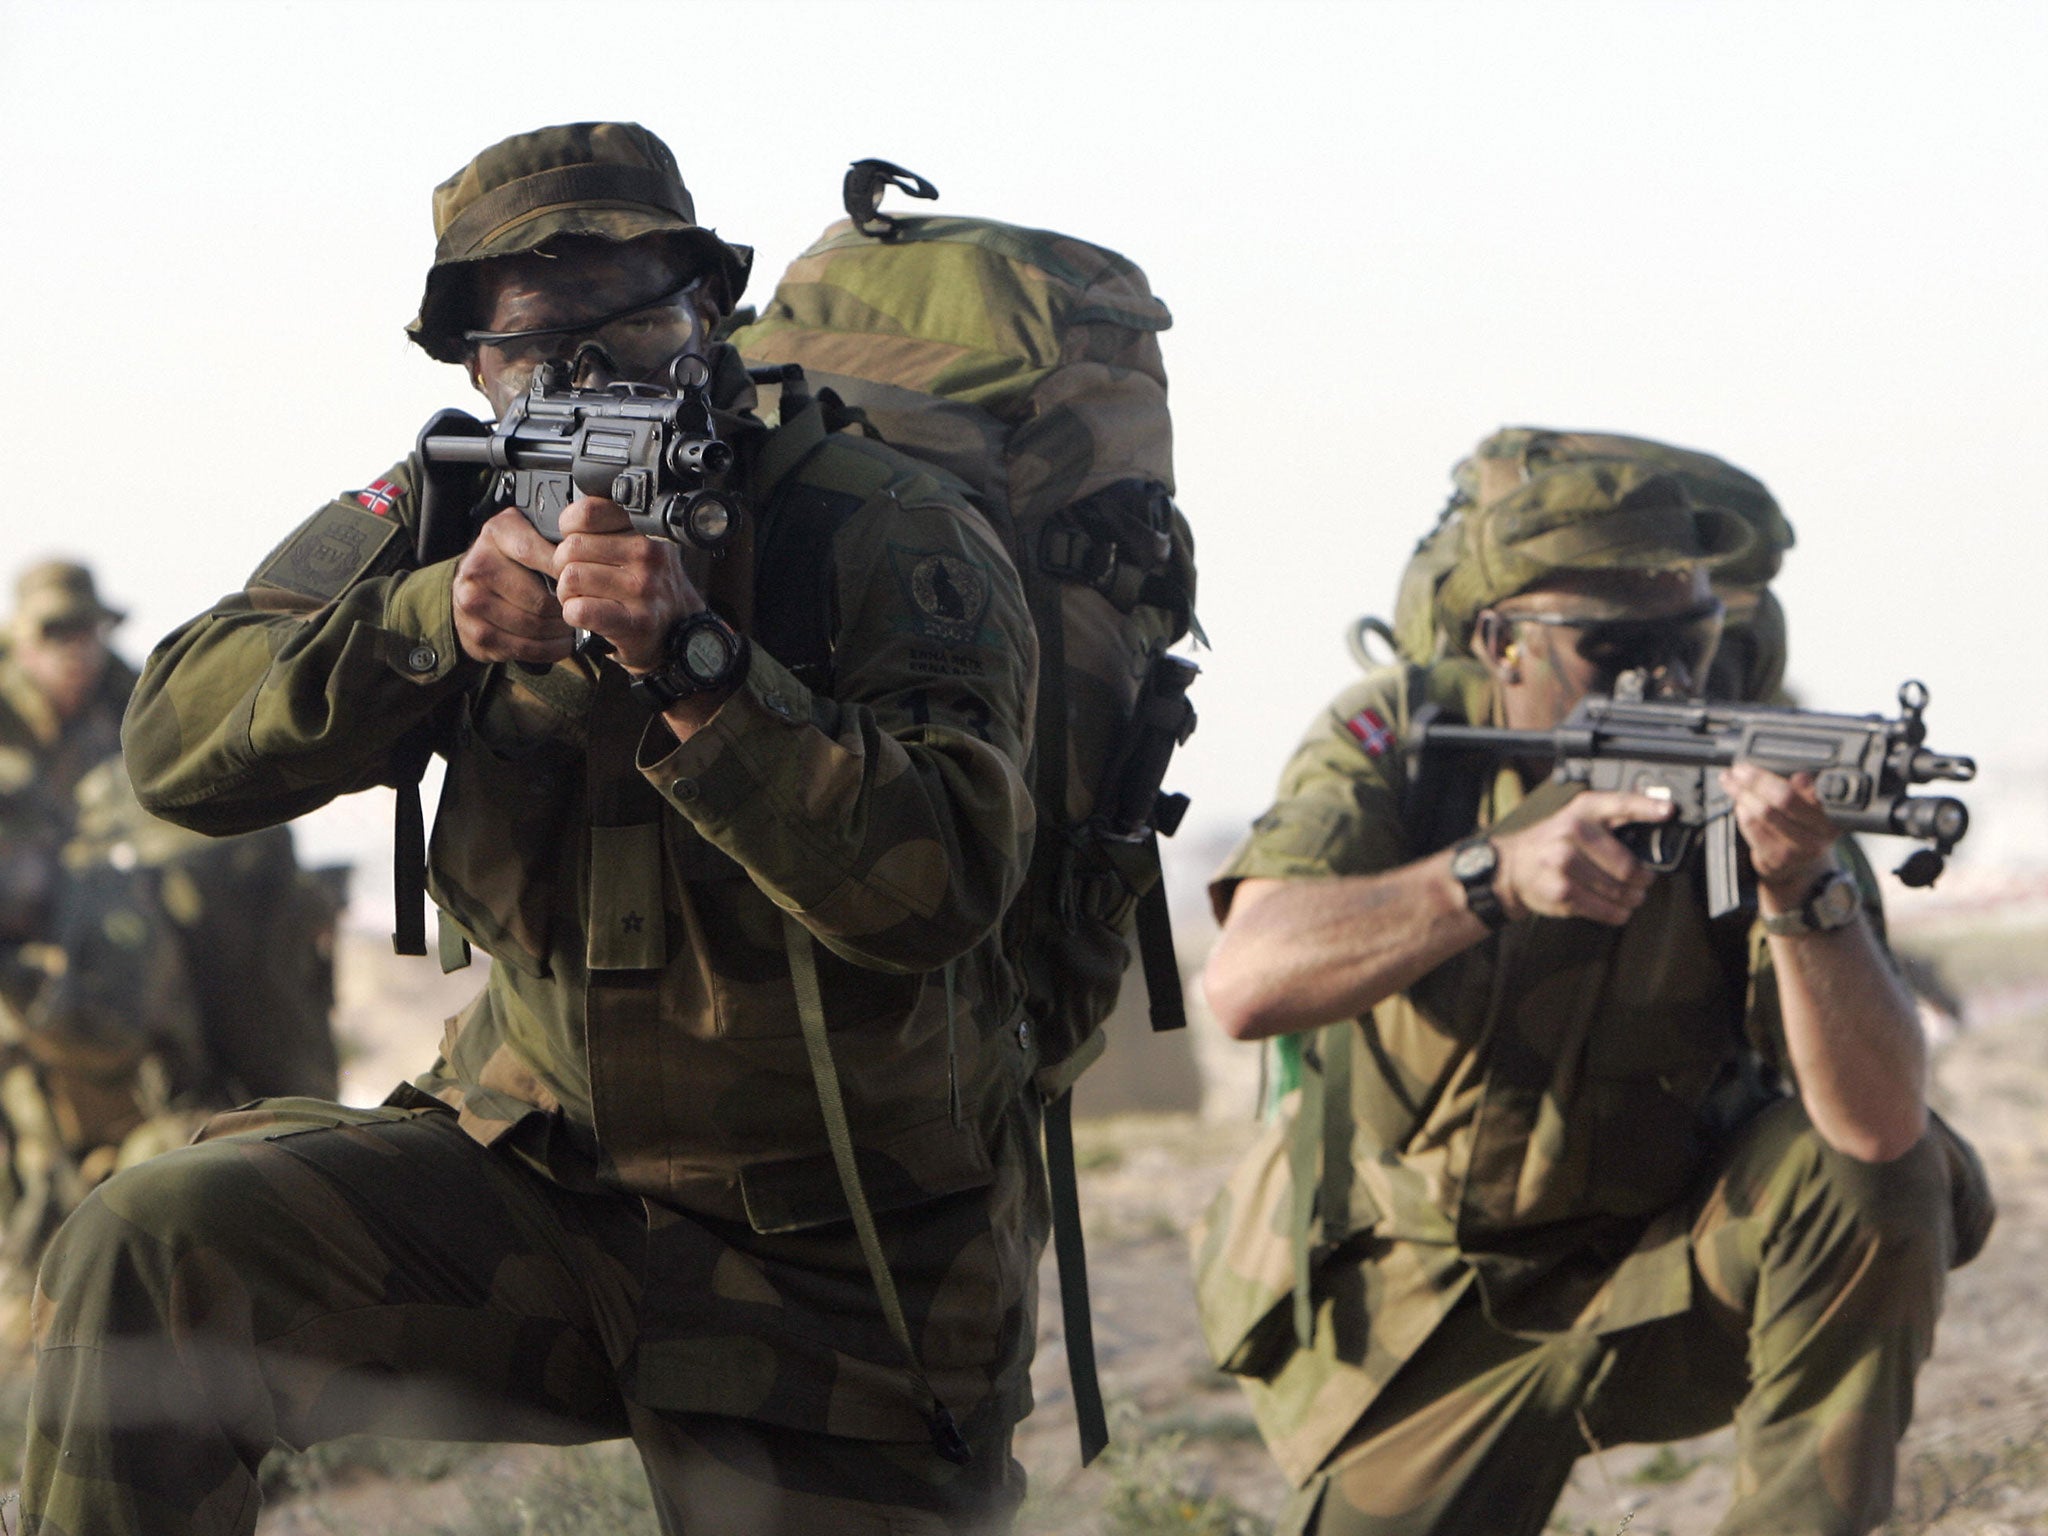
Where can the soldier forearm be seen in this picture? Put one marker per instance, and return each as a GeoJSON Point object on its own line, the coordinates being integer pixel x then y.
{"type": "Point", "coordinates": [246, 717]}
{"type": "Point", "coordinates": [1298, 954]}
{"type": "Point", "coordinates": [1854, 1041]}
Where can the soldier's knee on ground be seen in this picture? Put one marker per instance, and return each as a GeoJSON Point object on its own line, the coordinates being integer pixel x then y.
{"type": "Point", "coordinates": [1794, 1195]}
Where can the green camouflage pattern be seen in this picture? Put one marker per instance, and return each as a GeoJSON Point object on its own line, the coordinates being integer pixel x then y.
{"type": "Point", "coordinates": [1832, 1269]}
{"type": "Point", "coordinates": [42, 760]}
{"type": "Point", "coordinates": [307, 1271]}
{"type": "Point", "coordinates": [631, 891]}
{"type": "Point", "coordinates": [1584, 515]}
{"type": "Point", "coordinates": [1750, 664]}
{"type": "Point", "coordinates": [1026, 363]}
{"type": "Point", "coordinates": [1527, 1122]}
{"type": "Point", "coordinates": [182, 975]}
{"type": "Point", "coordinates": [604, 181]}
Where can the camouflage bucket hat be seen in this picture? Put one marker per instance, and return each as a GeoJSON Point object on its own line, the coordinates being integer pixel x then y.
{"type": "Point", "coordinates": [57, 591]}
{"type": "Point", "coordinates": [611, 181]}
{"type": "Point", "coordinates": [1510, 456]}
{"type": "Point", "coordinates": [1590, 515]}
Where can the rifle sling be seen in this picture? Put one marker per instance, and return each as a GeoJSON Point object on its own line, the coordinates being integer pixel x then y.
{"type": "Point", "coordinates": [810, 1006]}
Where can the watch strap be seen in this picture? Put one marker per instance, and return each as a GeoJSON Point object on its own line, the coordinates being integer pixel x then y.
{"type": "Point", "coordinates": [1806, 917]}
{"type": "Point", "coordinates": [1480, 899]}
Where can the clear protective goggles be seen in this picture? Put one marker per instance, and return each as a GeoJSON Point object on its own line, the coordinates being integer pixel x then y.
{"type": "Point", "coordinates": [638, 338]}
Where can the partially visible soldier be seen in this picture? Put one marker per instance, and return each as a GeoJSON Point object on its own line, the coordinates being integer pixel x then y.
{"type": "Point", "coordinates": [188, 974]}
{"type": "Point", "coordinates": [1572, 1163]}
{"type": "Point", "coordinates": [62, 691]}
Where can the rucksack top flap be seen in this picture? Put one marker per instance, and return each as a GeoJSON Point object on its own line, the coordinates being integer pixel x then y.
{"type": "Point", "coordinates": [954, 318]}
{"type": "Point", "coordinates": [1102, 285]}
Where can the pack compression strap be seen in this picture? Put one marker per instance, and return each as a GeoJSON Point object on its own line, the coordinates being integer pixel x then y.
{"type": "Point", "coordinates": [810, 1007]}
{"type": "Point", "coordinates": [1075, 1318]}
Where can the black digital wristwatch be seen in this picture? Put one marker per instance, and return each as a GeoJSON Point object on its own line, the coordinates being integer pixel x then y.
{"type": "Point", "coordinates": [702, 654]}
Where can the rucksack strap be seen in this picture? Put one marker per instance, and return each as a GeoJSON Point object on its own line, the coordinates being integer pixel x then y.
{"type": "Point", "coordinates": [1319, 1165]}
{"type": "Point", "coordinates": [1071, 1254]}
{"type": "Point", "coordinates": [810, 1009]}
{"type": "Point", "coordinates": [1155, 950]}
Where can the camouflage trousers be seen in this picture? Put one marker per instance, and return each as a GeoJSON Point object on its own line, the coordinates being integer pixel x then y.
{"type": "Point", "coordinates": [1817, 1280]}
{"type": "Point", "coordinates": [394, 1277]}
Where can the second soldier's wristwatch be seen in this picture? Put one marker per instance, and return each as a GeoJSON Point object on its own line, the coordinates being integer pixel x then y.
{"type": "Point", "coordinates": [1473, 865]}
{"type": "Point", "coordinates": [702, 654]}
{"type": "Point", "coordinates": [1832, 904]}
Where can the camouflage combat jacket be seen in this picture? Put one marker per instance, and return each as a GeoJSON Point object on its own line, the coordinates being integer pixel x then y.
{"type": "Point", "coordinates": [42, 760]}
{"type": "Point", "coordinates": [631, 890]}
{"type": "Point", "coordinates": [1527, 1118]}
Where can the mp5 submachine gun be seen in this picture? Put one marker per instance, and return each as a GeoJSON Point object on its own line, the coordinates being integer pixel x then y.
{"type": "Point", "coordinates": [1862, 767]}
{"type": "Point", "coordinates": [654, 451]}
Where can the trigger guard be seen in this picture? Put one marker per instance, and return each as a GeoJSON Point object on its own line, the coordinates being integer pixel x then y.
{"type": "Point", "coordinates": [1662, 845]}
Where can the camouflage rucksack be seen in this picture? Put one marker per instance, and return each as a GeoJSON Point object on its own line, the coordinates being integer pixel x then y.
{"type": "Point", "coordinates": [1027, 364]}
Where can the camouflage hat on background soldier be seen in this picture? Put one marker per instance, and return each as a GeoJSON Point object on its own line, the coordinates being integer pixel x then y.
{"type": "Point", "coordinates": [609, 181]}
{"type": "Point", "coordinates": [1591, 515]}
{"type": "Point", "coordinates": [1751, 661]}
{"type": "Point", "coordinates": [60, 592]}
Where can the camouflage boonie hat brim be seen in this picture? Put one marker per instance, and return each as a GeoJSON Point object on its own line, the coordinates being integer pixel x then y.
{"type": "Point", "coordinates": [1592, 515]}
{"type": "Point", "coordinates": [1510, 456]}
{"type": "Point", "coordinates": [608, 181]}
{"type": "Point", "coordinates": [56, 591]}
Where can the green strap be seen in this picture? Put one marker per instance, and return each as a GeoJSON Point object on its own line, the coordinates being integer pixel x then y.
{"type": "Point", "coordinates": [1334, 1203]}
{"type": "Point", "coordinates": [1072, 1255]}
{"type": "Point", "coordinates": [1304, 1147]}
{"type": "Point", "coordinates": [810, 1007]}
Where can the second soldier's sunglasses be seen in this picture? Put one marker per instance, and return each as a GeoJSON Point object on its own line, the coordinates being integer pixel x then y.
{"type": "Point", "coordinates": [1623, 645]}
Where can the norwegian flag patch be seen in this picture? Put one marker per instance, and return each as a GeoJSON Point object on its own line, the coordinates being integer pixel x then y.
{"type": "Point", "coordinates": [1371, 732]}
{"type": "Point", "coordinates": [380, 496]}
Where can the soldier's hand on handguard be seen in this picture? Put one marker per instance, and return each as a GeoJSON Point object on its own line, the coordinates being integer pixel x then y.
{"type": "Point", "coordinates": [1791, 841]}
{"type": "Point", "coordinates": [1571, 864]}
{"type": "Point", "coordinates": [503, 608]}
{"type": "Point", "coordinates": [616, 582]}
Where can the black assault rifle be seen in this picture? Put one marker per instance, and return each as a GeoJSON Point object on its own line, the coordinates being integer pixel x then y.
{"type": "Point", "coordinates": [1862, 767]}
{"type": "Point", "coordinates": [654, 451]}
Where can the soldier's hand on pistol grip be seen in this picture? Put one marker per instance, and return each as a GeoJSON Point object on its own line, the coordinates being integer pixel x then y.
{"type": "Point", "coordinates": [1570, 864]}
{"type": "Point", "coordinates": [619, 584]}
{"type": "Point", "coordinates": [503, 608]}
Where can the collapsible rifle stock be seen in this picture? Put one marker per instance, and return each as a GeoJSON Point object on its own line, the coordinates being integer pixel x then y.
{"type": "Point", "coordinates": [1862, 765]}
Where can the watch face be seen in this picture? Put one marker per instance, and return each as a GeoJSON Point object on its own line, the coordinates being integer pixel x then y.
{"type": "Point", "coordinates": [1834, 904]}
{"type": "Point", "coordinates": [1473, 861]}
{"type": "Point", "coordinates": [706, 653]}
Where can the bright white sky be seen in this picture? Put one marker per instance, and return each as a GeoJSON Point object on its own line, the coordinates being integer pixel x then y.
{"type": "Point", "coordinates": [1811, 238]}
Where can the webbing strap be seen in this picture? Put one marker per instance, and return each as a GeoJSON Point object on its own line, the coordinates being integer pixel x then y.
{"type": "Point", "coordinates": [1071, 1253]}
{"type": "Point", "coordinates": [1155, 950]}
{"type": "Point", "coordinates": [409, 871]}
{"type": "Point", "coordinates": [1334, 1203]}
{"type": "Point", "coordinates": [810, 1008]}
{"type": "Point", "coordinates": [1304, 1147]}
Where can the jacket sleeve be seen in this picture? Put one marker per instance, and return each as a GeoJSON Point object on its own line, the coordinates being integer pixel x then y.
{"type": "Point", "coordinates": [892, 818]}
{"type": "Point", "coordinates": [297, 688]}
